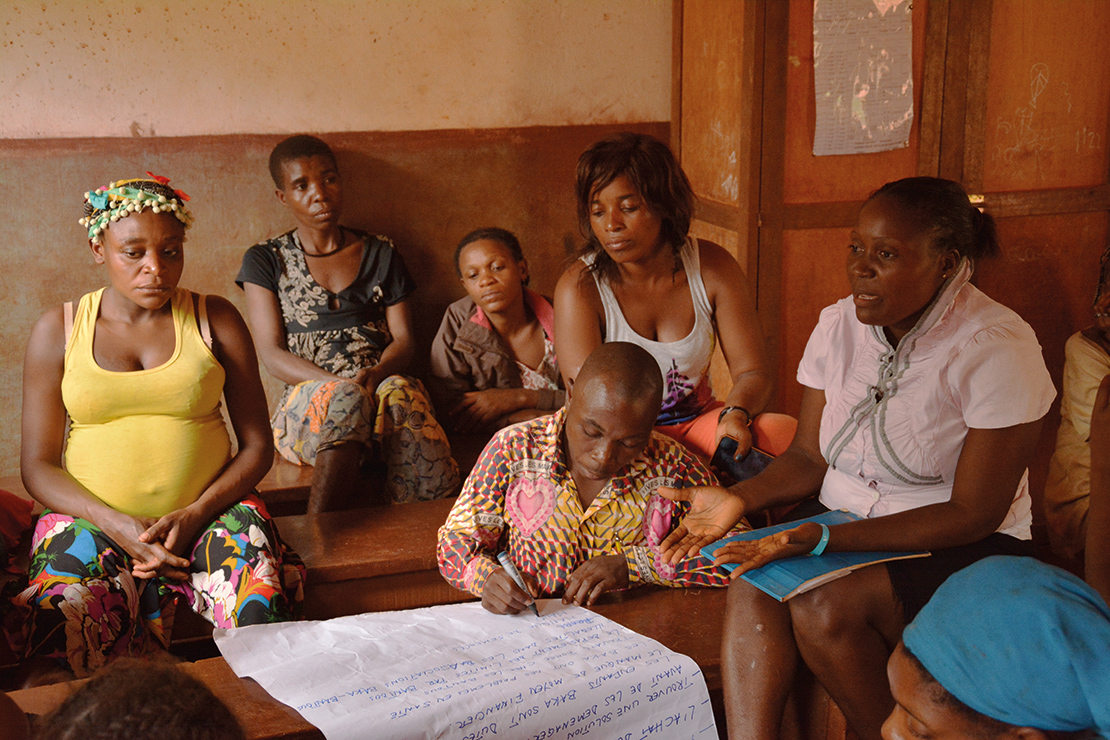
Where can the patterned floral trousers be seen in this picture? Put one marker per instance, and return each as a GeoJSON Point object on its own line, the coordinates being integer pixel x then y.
{"type": "Point", "coordinates": [86, 608]}
{"type": "Point", "coordinates": [315, 416]}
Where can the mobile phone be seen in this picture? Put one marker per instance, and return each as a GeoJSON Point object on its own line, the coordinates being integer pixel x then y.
{"type": "Point", "coordinates": [731, 470]}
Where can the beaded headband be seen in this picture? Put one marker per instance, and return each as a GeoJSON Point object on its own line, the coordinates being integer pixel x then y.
{"type": "Point", "coordinates": [120, 199]}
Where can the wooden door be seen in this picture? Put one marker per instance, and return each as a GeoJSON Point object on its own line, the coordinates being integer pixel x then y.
{"type": "Point", "coordinates": [1011, 99]}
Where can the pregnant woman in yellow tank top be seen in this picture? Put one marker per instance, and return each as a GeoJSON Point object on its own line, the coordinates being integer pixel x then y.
{"type": "Point", "coordinates": [145, 502]}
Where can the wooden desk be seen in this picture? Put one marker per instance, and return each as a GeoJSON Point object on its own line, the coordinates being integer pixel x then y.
{"type": "Point", "coordinates": [688, 621]}
{"type": "Point", "coordinates": [685, 620]}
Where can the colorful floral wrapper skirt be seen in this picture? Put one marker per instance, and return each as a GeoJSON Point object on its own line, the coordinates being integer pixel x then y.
{"type": "Point", "coordinates": [315, 416]}
{"type": "Point", "coordinates": [86, 608]}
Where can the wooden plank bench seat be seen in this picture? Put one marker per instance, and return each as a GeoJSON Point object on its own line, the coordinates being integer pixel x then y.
{"type": "Point", "coordinates": [384, 559]}
{"type": "Point", "coordinates": [368, 560]}
{"type": "Point", "coordinates": [285, 488]}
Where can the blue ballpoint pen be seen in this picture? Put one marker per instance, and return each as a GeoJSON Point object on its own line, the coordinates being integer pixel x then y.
{"type": "Point", "coordinates": [503, 558]}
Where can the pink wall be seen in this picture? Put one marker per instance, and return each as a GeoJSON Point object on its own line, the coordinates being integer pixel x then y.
{"type": "Point", "coordinates": [446, 115]}
{"type": "Point", "coordinates": [425, 190]}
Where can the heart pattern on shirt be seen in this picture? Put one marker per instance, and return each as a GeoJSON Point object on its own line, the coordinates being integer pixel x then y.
{"type": "Point", "coordinates": [530, 502]}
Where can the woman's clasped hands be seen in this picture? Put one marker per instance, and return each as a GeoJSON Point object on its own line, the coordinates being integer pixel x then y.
{"type": "Point", "coordinates": [157, 545]}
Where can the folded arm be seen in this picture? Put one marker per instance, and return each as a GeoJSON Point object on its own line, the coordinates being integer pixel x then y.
{"type": "Point", "coordinates": [268, 330]}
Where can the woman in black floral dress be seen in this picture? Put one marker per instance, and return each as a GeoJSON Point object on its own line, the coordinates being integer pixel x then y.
{"type": "Point", "coordinates": [329, 314]}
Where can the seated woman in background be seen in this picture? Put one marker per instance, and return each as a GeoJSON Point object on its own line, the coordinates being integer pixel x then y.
{"type": "Point", "coordinates": [493, 359]}
{"type": "Point", "coordinates": [1007, 648]}
{"type": "Point", "coordinates": [1086, 363]}
{"type": "Point", "coordinates": [1096, 555]}
{"type": "Point", "coordinates": [922, 405]}
{"type": "Point", "coordinates": [644, 279]}
{"type": "Point", "coordinates": [329, 311]}
{"type": "Point", "coordinates": [147, 503]}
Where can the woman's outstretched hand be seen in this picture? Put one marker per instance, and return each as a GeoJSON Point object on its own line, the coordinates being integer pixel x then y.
{"type": "Point", "coordinates": [757, 553]}
{"type": "Point", "coordinates": [713, 512]}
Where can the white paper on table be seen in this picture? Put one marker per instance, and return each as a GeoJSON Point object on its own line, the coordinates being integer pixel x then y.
{"type": "Point", "coordinates": [458, 671]}
{"type": "Point", "coordinates": [862, 75]}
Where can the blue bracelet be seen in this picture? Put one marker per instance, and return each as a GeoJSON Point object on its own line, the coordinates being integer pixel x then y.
{"type": "Point", "coordinates": [820, 548]}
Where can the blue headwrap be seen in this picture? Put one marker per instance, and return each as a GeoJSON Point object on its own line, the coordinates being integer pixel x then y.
{"type": "Point", "coordinates": [1019, 641]}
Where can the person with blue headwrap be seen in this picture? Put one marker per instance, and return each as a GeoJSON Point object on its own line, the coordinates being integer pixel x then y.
{"type": "Point", "coordinates": [1008, 647]}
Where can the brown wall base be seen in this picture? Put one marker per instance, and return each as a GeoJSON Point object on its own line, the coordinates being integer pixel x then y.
{"type": "Point", "coordinates": [425, 190]}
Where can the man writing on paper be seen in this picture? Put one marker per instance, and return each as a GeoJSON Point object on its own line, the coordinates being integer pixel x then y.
{"type": "Point", "coordinates": [572, 497]}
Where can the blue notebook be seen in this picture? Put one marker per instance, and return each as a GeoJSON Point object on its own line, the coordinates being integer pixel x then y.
{"type": "Point", "coordinates": [792, 576]}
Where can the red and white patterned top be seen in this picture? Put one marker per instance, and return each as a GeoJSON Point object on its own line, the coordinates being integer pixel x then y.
{"type": "Point", "coordinates": [521, 498]}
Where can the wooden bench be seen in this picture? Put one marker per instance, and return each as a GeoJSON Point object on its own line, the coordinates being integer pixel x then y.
{"type": "Point", "coordinates": [368, 560]}
{"type": "Point", "coordinates": [285, 488]}
{"type": "Point", "coordinates": [685, 620]}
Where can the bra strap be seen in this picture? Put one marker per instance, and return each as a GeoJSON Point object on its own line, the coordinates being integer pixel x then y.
{"type": "Point", "coordinates": [205, 329]}
{"type": "Point", "coordinates": [67, 321]}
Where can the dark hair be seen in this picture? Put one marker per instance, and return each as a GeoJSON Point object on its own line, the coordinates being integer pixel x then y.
{"type": "Point", "coordinates": [502, 236]}
{"type": "Point", "coordinates": [657, 176]}
{"type": "Point", "coordinates": [297, 147]}
{"type": "Point", "coordinates": [986, 727]}
{"type": "Point", "coordinates": [942, 206]}
{"type": "Point", "coordinates": [133, 698]}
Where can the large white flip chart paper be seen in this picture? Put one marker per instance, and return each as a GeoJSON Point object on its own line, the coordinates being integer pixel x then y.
{"type": "Point", "coordinates": [460, 672]}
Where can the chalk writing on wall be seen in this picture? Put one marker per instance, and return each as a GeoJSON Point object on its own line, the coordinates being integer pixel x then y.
{"type": "Point", "coordinates": [460, 672]}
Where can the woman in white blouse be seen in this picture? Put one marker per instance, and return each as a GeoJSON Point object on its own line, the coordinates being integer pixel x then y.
{"type": "Point", "coordinates": [922, 405]}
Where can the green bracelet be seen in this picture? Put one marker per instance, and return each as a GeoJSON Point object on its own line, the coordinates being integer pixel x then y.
{"type": "Point", "coordinates": [820, 548]}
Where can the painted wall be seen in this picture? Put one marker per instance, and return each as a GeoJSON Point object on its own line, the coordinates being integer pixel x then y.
{"type": "Point", "coordinates": [445, 115]}
{"type": "Point", "coordinates": [167, 68]}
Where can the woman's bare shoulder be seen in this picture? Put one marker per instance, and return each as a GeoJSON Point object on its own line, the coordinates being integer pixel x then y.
{"type": "Point", "coordinates": [575, 285]}
{"type": "Point", "coordinates": [719, 269]}
{"type": "Point", "coordinates": [223, 316]}
{"type": "Point", "coordinates": [47, 341]}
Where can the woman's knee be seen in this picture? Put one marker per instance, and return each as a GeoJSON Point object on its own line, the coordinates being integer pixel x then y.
{"type": "Point", "coordinates": [746, 604]}
{"type": "Point", "coordinates": [342, 404]}
{"type": "Point", "coordinates": [841, 608]}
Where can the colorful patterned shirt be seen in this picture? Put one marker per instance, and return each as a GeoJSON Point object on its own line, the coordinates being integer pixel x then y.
{"type": "Point", "coordinates": [521, 498]}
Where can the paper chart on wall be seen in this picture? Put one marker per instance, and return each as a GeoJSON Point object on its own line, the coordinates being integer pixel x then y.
{"type": "Point", "coordinates": [461, 672]}
{"type": "Point", "coordinates": [862, 75]}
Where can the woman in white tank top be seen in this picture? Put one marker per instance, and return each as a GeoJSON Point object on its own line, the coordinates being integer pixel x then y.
{"type": "Point", "coordinates": [642, 279]}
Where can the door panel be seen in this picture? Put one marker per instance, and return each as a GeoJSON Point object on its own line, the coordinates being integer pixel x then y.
{"type": "Point", "coordinates": [810, 179]}
{"type": "Point", "coordinates": [1047, 273]}
{"type": "Point", "coordinates": [814, 276]}
{"type": "Point", "coordinates": [711, 134]}
{"type": "Point", "coordinates": [1046, 101]}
